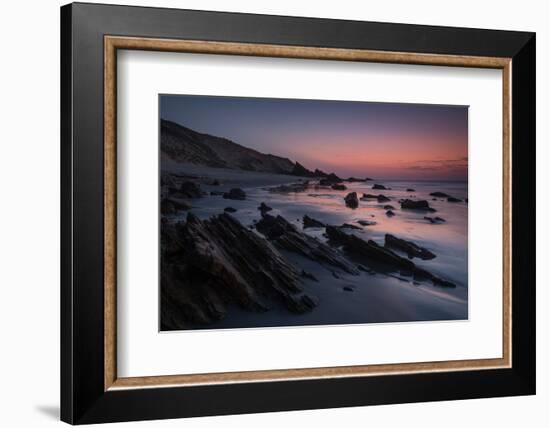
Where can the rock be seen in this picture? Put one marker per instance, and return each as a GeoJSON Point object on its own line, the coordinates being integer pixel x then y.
{"type": "Point", "coordinates": [369, 196]}
{"type": "Point", "coordinates": [172, 206]}
{"type": "Point", "coordinates": [330, 179]}
{"type": "Point", "coordinates": [338, 187]}
{"type": "Point", "coordinates": [369, 251]}
{"type": "Point", "coordinates": [379, 187]}
{"type": "Point", "coordinates": [347, 288]}
{"type": "Point", "coordinates": [350, 226]}
{"type": "Point", "coordinates": [290, 188]}
{"type": "Point", "coordinates": [216, 193]}
{"type": "Point", "coordinates": [215, 183]}
{"type": "Point", "coordinates": [208, 265]}
{"type": "Point", "coordinates": [408, 247]}
{"type": "Point", "coordinates": [466, 200]}
{"type": "Point", "coordinates": [264, 208]}
{"type": "Point", "coordinates": [439, 195]}
{"type": "Point", "coordinates": [409, 204]}
{"type": "Point", "coordinates": [351, 200]}
{"type": "Point", "coordinates": [355, 180]}
{"type": "Point", "coordinates": [309, 276]}
{"type": "Point", "coordinates": [389, 207]}
{"type": "Point", "coordinates": [230, 210]}
{"type": "Point", "coordinates": [286, 236]}
{"type": "Point", "coordinates": [236, 193]}
{"type": "Point", "coordinates": [382, 198]}
{"type": "Point", "coordinates": [189, 189]}
{"type": "Point", "coordinates": [411, 190]}
{"type": "Point", "coordinates": [301, 171]}
{"type": "Point", "coordinates": [366, 222]}
{"type": "Point", "coordinates": [311, 222]}
{"type": "Point", "coordinates": [452, 199]}
{"type": "Point", "coordinates": [434, 220]}
{"type": "Point", "coordinates": [390, 213]}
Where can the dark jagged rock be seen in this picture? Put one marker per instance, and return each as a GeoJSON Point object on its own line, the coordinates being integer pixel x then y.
{"type": "Point", "coordinates": [366, 222]}
{"type": "Point", "coordinates": [370, 251]}
{"type": "Point", "coordinates": [319, 173]}
{"type": "Point", "coordinates": [389, 207]}
{"type": "Point", "coordinates": [409, 204]}
{"type": "Point", "coordinates": [172, 206]}
{"type": "Point", "coordinates": [439, 195]}
{"type": "Point", "coordinates": [207, 265]}
{"type": "Point", "coordinates": [230, 210]}
{"type": "Point", "coordinates": [189, 189]}
{"type": "Point", "coordinates": [379, 187]}
{"type": "Point", "coordinates": [382, 198]}
{"type": "Point", "coordinates": [311, 222]}
{"type": "Point", "coordinates": [409, 247]}
{"type": "Point", "coordinates": [368, 179]}
{"type": "Point", "coordinates": [355, 180]}
{"type": "Point", "coordinates": [351, 200]}
{"type": "Point", "coordinates": [390, 213]}
{"type": "Point", "coordinates": [453, 199]}
{"type": "Point", "coordinates": [330, 179]}
{"type": "Point", "coordinates": [411, 190]}
{"type": "Point", "coordinates": [235, 193]}
{"type": "Point", "coordinates": [434, 220]}
{"type": "Point", "coordinates": [369, 196]}
{"type": "Point", "coordinates": [264, 208]}
{"type": "Point", "coordinates": [338, 187]}
{"type": "Point", "coordinates": [286, 236]}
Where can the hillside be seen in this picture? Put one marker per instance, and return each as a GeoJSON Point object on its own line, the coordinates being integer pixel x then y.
{"type": "Point", "coordinates": [186, 145]}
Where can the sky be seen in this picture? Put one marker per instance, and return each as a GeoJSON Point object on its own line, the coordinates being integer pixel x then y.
{"type": "Point", "coordinates": [361, 139]}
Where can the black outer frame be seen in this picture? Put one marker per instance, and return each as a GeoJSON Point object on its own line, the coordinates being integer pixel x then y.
{"type": "Point", "coordinates": [83, 399]}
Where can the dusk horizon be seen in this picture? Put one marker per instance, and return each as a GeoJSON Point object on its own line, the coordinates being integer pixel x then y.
{"type": "Point", "coordinates": [380, 140]}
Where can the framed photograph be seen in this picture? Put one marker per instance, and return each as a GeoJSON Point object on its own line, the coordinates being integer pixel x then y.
{"type": "Point", "coordinates": [266, 213]}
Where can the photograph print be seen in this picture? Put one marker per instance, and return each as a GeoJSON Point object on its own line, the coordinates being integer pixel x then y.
{"type": "Point", "coordinates": [294, 212]}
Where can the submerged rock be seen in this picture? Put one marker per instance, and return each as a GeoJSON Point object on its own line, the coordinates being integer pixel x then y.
{"type": "Point", "coordinates": [356, 180]}
{"type": "Point", "coordinates": [452, 199]}
{"type": "Point", "coordinates": [408, 247]}
{"type": "Point", "coordinates": [366, 222]}
{"type": "Point", "coordinates": [379, 187]}
{"type": "Point", "coordinates": [311, 222]}
{"type": "Point", "coordinates": [230, 210]}
{"type": "Point", "coordinates": [351, 200]}
{"type": "Point", "coordinates": [290, 188]}
{"type": "Point", "coordinates": [439, 195]}
{"type": "Point", "coordinates": [370, 251]}
{"type": "Point", "coordinates": [409, 204]}
{"type": "Point", "coordinates": [338, 187]}
{"type": "Point", "coordinates": [286, 236]}
{"type": "Point", "coordinates": [235, 193]}
{"type": "Point", "coordinates": [382, 198]}
{"type": "Point", "coordinates": [434, 220]}
{"type": "Point", "coordinates": [389, 207]}
{"type": "Point", "coordinates": [390, 213]}
{"type": "Point", "coordinates": [411, 190]}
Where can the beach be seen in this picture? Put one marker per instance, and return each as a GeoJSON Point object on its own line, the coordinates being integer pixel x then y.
{"type": "Point", "coordinates": [369, 295]}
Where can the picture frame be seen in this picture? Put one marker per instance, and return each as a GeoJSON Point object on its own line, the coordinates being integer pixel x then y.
{"type": "Point", "coordinates": [91, 390]}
